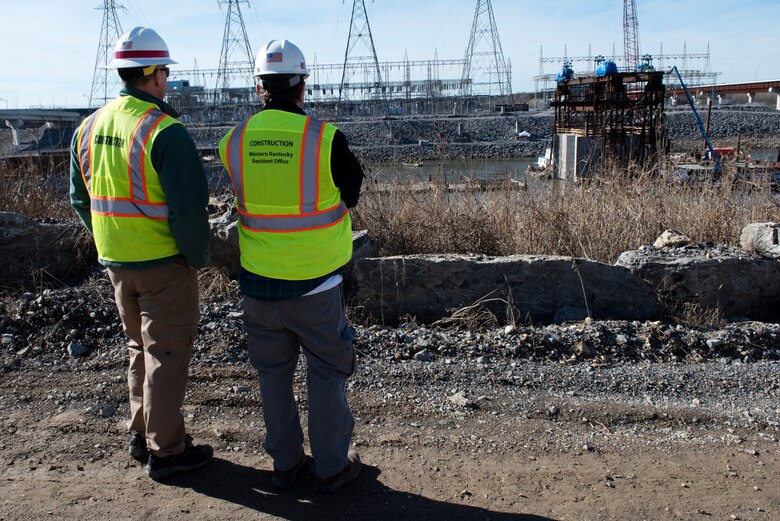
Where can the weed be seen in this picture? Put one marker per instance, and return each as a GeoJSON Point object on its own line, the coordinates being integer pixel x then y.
{"type": "Point", "coordinates": [216, 285]}
{"type": "Point", "coordinates": [597, 221]}
{"type": "Point", "coordinates": [693, 314]}
{"type": "Point", "coordinates": [31, 191]}
{"type": "Point", "coordinates": [476, 317]}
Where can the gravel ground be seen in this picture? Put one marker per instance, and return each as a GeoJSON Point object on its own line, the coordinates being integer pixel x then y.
{"type": "Point", "coordinates": [587, 420]}
{"type": "Point", "coordinates": [731, 372]}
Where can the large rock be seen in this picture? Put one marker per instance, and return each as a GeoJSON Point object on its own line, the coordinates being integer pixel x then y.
{"type": "Point", "coordinates": [35, 253]}
{"type": "Point", "coordinates": [761, 239]}
{"type": "Point", "coordinates": [430, 287]}
{"type": "Point", "coordinates": [671, 239]}
{"type": "Point", "coordinates": [735, 285]}
{"type": "Point", "coordinates": [224, 252]}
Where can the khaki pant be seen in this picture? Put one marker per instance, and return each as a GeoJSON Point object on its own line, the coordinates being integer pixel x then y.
{"type": "Point", "coordinates": [159, 310]}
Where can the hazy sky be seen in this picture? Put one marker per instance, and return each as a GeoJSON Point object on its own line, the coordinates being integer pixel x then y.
{"type": "Point", "coordinates": [48, 47]}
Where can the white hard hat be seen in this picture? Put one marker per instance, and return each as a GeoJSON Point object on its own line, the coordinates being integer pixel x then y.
{"type": "Point", "coordinates": [139, 47]}
{"type": "Point", "coordinates": [280, 57]}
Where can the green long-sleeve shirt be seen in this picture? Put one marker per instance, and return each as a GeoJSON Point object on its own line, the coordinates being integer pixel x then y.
{"type": "Point", "coordinates": [184, 184]}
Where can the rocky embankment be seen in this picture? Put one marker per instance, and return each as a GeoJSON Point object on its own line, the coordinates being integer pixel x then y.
{"type": "Point", "coordinates": [428, 138]}
{"type": "Point", "coordinates": [58, 327]}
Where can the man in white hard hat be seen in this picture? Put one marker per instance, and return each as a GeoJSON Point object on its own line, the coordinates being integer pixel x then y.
{"type": "Point", "coordinates": [139, 187]}
{"type": "Point", "coordinates": [295, 178]}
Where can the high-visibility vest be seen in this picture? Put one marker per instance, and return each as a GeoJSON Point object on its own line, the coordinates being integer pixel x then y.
{"type": "Point", "coordinates": [127, 203]}
{"type": "Point", "coordinates": [293, 224]}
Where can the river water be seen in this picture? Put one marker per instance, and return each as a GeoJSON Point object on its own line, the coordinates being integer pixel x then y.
{"type": "Point", "coordinates": [488, 169]}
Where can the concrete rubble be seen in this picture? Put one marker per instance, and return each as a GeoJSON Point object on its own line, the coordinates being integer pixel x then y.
{"type": "Point", "coordinates": [761, 239]}
{"type": "Point", "coordinates": [537, 288]}
{"type": "Point", "coordinates": [41, 251]}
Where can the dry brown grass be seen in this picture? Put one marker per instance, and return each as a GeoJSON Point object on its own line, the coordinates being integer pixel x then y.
{"type": "Point", "coordinates": [693, 314]}
{"type": "Point", "coordinates": [28, 191]}
{"type": "Point", "coordinates": [596, 221]}
{"type": "Point", "coordinates": [216, 285]}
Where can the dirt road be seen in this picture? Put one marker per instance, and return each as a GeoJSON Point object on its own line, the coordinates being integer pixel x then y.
{"type": "Point", "coordinates": [503, 452]}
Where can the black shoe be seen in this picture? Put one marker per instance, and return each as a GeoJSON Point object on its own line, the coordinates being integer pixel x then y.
{"type": "Point", "coordinates": [347, 474]}
{"type": "Point", "coordinates": [193, 457]}
{"type": "Point", "coordinates": [285, 479]}
{"type": "Point", "coordinates": [137, 447]}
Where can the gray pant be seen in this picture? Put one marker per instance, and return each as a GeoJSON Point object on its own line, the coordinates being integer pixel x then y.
{"type": "Point", "coordinates": [276, 331]}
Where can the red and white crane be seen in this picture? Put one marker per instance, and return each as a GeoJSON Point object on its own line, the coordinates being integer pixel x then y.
{"type": "Point", "coordinates": [630, 35]}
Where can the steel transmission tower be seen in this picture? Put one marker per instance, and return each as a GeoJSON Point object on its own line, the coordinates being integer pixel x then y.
{"type": "Point", "coordinates": [630, 35]}
{"type": "Point", "coordinates": [104, 81]}
{"type": "Point", "coordinates": [234, 38]}
{"type": "Point", "coordinates": [360, 59]}
{"type": "Point", "coordinates": [484, 62]}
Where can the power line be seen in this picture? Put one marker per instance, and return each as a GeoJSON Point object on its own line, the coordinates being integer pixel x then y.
{"type": "Point", "coordinates": [485, 68]}
{"type": "Point", "coordinates": [234, 39]}
{"type": "Point", "coordinates": [360, 51]}
{"type": "Point", "coordinates": [104, 82]}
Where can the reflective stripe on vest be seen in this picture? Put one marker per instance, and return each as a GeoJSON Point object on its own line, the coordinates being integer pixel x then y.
{"type": "Point", "coordinates": [86, 139]}
{"type": "Point", "coordinates": [309, 218]}
{"type": "Point", "coordinates": [125, 208]}
{"type": "Point", "coordinates": [138, 204]}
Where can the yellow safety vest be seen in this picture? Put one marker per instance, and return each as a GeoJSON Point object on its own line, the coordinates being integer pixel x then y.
{"type": "Point", "coordinates": [127, 203]}
{"type": "Point", "coordinates": [293, 224]}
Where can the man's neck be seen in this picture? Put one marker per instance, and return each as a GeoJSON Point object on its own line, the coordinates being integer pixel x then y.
{"type": "Point", "coordinates": [148, 89]}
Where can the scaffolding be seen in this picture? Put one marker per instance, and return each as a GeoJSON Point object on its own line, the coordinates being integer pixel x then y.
{"type": "Point", "coordinates": [601, 119]}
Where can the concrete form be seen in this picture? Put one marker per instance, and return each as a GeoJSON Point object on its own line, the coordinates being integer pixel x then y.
{"type": "Point", "coordinates": [615, 118]}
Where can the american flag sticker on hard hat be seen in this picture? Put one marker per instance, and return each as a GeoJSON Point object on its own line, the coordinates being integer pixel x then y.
{"type": "Point", "coordinates": [127, 44]}
{"type": "Point", "coordinates": [273, 57]}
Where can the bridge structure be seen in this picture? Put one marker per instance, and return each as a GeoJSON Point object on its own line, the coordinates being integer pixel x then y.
{"type": "Point", "coordinates": [17, 119]}
{"type": "Point", "coordinates": [750, 88]}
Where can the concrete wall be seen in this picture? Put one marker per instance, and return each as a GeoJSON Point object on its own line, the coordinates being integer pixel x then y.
{"type": "Point", "coordinates": [575, 155]}
{"type": "Point", "coordinates": [541, 289]}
